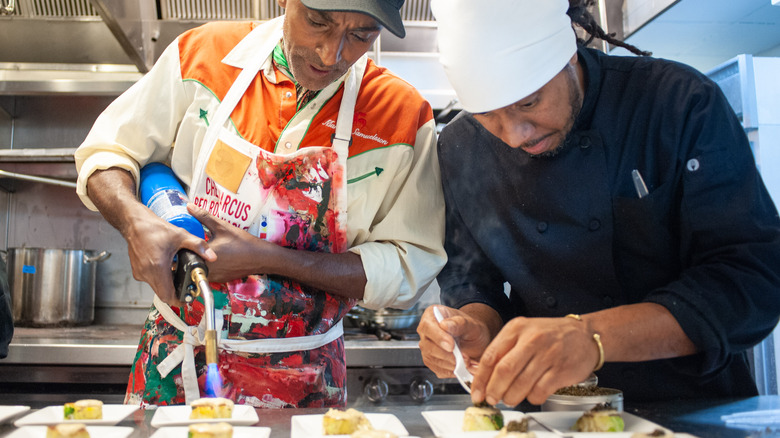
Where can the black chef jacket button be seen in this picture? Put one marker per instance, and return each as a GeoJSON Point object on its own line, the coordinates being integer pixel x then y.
{"type": "Point", "coordinates": [541, 227]}
{"type": "Point", "coordinates": [594, 224]}
{"type": "Point", "coordinates": [585, 142]}
{"type": "Point", "coordinates": [551, 301]}
{"type": "Point", "coordinates": [607, 300]}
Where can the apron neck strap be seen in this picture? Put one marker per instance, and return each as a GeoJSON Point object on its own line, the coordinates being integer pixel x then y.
{"type": "Point", "coordinates": [239, 87]}
{"type": "Point", "coordinates": [343, 136]}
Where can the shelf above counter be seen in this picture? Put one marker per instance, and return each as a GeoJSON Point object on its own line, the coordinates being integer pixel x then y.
{"type": "Point", "coordinates": [57, 163]}
{"type": "Point", "coordinates": [18, 79]}
{"type": "Point", "coordinates": [37, 155]}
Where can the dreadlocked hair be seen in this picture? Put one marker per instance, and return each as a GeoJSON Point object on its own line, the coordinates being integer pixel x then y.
{"type": "Point", "coordinates": [579, 14]}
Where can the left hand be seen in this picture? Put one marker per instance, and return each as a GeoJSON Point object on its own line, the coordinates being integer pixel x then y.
{"type": "Point", "coordinates": [437, 339]}
{"type": "Point", "coordinates": [238, 253]}
{"type": "Point", "coordinates": [531, 358]}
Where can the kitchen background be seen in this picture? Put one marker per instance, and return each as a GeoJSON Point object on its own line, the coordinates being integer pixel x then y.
{"type": "Point", "coordinates": [63, 61]}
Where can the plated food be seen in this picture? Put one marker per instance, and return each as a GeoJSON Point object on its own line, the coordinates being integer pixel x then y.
{"type": "Point", "coordinates": [110, 415]}
{"type": "Point", "coordinates": [338, 422]}
{"type": "Point", "coordinates": [87, 409]}
{"type": "Point", "coordinates": [601, 418]}
{"type": "Point", "coordinates": [211, 407]}
{"type": "Point", "coordinates": [347, 422]}
{"type": "Point", "coordinates": [482, 417]}
{"type": "Point", "coordinates": [210, 430]}
{"type": "Point", "coordinates": [180, 415]}
{"type": "Point", "coordinates": [67, 430]}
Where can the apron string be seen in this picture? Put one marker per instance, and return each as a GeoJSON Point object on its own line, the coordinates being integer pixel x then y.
{"type": "Point", "coordinates": [184, 353]}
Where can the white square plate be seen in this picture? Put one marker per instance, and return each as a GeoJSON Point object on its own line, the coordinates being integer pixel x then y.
{"type": "Point", "coordinates": [563, 421]}
{"type": "Point", "coordinates": [7, 412]}
{"type": "Point", "coordinates": [96, 431]}
{"type": "Point", "coordinates": [542, 434]}
{"type": "Point", "coordinates": [493, 433]}
{"type": "Point", "coordinates": [310, 426]}
{"type": "Point", "coordinates": [451, 422]}
{"type": "Point", "coordinates": [179, 415]}
{"type": "Point", "coordinates": [447, 424]}
{"type": "Point", "coordinates": [112, 414]}
{"type": "Point", "coordinates": [238, 432]}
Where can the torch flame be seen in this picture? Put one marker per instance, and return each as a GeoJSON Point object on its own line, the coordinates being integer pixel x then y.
{"type": "Point", "coordinates": [213, 381]}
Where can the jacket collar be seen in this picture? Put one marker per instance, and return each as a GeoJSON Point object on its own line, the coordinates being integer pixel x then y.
{"type": "Point", "coordinates": [591, 67]}
{"type": "Point", "coordinates": [253, 43]}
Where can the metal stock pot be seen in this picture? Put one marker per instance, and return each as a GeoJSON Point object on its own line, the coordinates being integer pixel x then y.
{"type": "Point", "coordinates": [53, 287]}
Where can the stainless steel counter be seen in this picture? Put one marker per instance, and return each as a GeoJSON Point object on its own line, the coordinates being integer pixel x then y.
{"type": "Point", "coordinates": [701, 418]}
{"type": "Point", "coordinates": [110, 349]}
{"type": "Point", "coordinates": [51, 365]}
{"type": "Point", "coordinates": [279, 420]}
{"type": "Point", "coordinates": [106, 345]}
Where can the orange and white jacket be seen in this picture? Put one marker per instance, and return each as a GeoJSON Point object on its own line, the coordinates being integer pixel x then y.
{"type": "Point", "coordinates": [395, 204]}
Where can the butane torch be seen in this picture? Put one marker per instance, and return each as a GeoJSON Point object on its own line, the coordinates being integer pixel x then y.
{"type": "Point", "coordinates": [165, 196]}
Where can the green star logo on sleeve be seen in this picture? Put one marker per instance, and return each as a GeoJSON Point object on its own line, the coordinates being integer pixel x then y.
{"type": "Point", "coordinates": [202, 115]}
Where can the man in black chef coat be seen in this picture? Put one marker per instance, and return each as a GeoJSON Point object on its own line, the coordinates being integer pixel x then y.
{"type": "Point", "coordinates": [619, 199]}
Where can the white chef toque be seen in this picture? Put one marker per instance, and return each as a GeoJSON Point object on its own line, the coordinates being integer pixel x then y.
{"type": "Point", "coordinates": [496, 52]}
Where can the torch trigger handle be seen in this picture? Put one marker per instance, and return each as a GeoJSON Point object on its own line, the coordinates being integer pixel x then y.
{"type": "Point", "coordinates": [186, 262]}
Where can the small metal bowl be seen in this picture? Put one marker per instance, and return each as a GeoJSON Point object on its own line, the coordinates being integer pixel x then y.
{"type": "Point", "coordinates": [558, 402]}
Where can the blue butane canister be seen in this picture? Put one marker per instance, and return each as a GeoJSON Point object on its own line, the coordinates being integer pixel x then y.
{"type": "Point", "coordinates": [165, 196]}
{"type": "Point", "coordinates": [162, 192]}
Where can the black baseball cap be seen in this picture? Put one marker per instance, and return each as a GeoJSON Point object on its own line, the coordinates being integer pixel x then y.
{"type": "Point", "coordinates": [386, 12]}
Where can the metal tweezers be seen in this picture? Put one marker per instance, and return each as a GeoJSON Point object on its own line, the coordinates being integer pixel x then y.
{"type": "Point", "coordinates": [548, 428]}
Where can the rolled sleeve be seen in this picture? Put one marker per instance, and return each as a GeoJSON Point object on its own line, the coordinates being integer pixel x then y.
{"type": "Point", "coordinates": [100, 161]}
{"type": "Point", "coordinates": [404, 251]}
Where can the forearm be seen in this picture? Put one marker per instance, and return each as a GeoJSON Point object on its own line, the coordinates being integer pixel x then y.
{"type": "Point", "coordinates": [240, 254]}
{"type": "Point", "coordinates": [340, 274]}
{"type": "Point", "coordinates": [113, 193]}
{"type": "Point", "coordinates": [639, 332]}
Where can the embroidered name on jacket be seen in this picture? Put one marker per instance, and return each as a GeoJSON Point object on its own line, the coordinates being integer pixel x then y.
{"type": "Point", "coordinates": [330, 123]}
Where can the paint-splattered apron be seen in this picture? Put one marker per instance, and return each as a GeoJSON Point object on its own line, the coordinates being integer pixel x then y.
{"type": "Point", "coordinates": [280, 342]}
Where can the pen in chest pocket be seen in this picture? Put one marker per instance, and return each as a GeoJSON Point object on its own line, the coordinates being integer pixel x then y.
{"type": "Point", "coordinates": [639, 183]}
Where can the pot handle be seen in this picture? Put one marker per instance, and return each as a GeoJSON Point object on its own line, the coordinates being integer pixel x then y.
{"type": "Point", "coordinates": [102, 255]}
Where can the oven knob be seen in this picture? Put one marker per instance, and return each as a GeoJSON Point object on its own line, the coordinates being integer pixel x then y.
{"type": "Point", "coordinates": [376, 390]}
{"type": "Point", "coordinates": [421, 389]}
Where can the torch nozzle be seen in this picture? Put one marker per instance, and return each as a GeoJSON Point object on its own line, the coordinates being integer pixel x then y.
{"type": "Point", "coordinates": [211, 346]}
{"type": "Point", "coordinates": [199, 278]}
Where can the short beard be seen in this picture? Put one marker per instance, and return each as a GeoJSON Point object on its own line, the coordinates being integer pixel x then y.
{"type": "Point", "coordinates": [301, 57]}
{"type": "Point", "coordinates": [575, 103]}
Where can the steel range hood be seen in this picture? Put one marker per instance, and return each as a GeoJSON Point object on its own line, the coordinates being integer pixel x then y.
{"type": "Point", "coordinates": [101, 47]}
{"type": "Point", "coordinates": [136, 31]}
